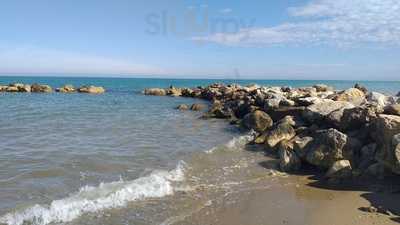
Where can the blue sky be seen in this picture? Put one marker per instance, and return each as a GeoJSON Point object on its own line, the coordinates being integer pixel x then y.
{"type": "Point", "coordinates": [275, 39]}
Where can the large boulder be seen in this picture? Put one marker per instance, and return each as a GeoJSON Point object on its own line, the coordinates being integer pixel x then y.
{"type": "Point", "coordinates": [91, 89]}
{"type": "Point", "coordinates": [320, 111]}
{"type": "Point", "coordinates": [288, 159]}
{"type": "Point", "coordinates": [41, 88]}
{"type": "Point", "coordinates": [356, 118]}
{"type": "Point", "coordinates": [66, 89]}
{"type": "Point", "coordinates": [198, 107]}
{"type": "Point", "coordinates": [380, 99]}
{"type": "Point", "coordinates": [328, 147]}
{"type": "Point", "coordinates": [258, 121]}
{"type": "Point", "coordinates": [386, 130]}
{"type": "Point", "coordinates": [353, 95]}
{"type": "Point", "coordinates": [155, 91]}
{"type": "Point", "coordinates": [282, 131]}
{"type": "Point", "coordinates": [393, 109]}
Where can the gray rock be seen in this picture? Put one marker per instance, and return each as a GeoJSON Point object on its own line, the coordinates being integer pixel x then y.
{"type": "Point", "coordinates": [393, 109]}
{"type": "Point", "coordinates": [288, 160]}
{"type": "Point", "coordinates": [356, 118]}
{"type": "Point", "coordinates": [380, 99]}
{"type": "Point", "coordinates": [328, 147]}
{"type": "Point", "coordinates": [301, 145]}
{"type": "Point", "coordinates": [340, 169]}
{"type": "Point", "coordinates": [319, 111]}
{"type": "Point", "coordinates": [386, 127]}
{"type": "Point", "coordinates": [258, 121]}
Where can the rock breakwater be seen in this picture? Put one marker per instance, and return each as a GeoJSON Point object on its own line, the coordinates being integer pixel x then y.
{"type": "Point", "coordinates": [346, 133]}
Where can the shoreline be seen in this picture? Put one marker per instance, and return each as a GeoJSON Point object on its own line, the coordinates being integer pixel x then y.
{"type": "Point", "coordinates": [349, 136]}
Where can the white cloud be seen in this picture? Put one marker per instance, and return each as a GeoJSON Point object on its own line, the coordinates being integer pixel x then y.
{"type": "Point", "coordinates": [330, 22]}
{"type": "Point", "coordinates": [226, 10]}
{"type": "Point", "coordinates": [39, 60]}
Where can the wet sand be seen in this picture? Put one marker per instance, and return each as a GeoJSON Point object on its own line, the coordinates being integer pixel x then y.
{"type": "Point", "coordinates": [263, 196]}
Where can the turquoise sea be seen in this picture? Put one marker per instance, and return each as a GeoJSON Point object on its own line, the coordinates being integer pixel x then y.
{"type": "Point", "coordinates": [71, 158]}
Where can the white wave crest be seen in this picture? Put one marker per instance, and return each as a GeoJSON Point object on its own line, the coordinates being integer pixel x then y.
{"type": "Point", "coordinates": [94, 199]}
{"type": "Point", "coordinates": [236, 142]}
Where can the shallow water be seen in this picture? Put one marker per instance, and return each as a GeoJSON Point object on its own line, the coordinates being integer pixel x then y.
{"type": "Point", "coordinates": [109, 159]}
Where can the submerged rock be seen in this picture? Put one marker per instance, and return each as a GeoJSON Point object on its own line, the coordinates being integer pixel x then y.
{"type": "Point", "coordinates": [91, 89]}
{"type": "Point", "coordinates": [258, 121]}
{"type": "Point", "coordinates": [182, 107]}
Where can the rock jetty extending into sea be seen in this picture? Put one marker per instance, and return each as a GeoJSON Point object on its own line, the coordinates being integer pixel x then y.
{"type": "Point", "coordinates": [347, 133]}
{"type": "Point", "coordinates": [42, 88]}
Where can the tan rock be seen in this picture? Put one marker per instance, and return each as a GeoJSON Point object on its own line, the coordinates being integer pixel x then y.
{"type": "Point", "coordinates": [91, 90]}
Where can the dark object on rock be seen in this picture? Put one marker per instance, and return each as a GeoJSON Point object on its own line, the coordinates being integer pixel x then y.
{"type": "Point", "coordinates": [361, 88]}
{"type": "Point", "coordinates": [197, 107]}
{"type": "Point", "coordinates": [322, 88]}
{"type": "Point", "coordinates": [393, 109]}
{"type": "Point", "coordinates": [66, 89]}
{"type": "Point", "coordinates": [41, 88]}
{"type": "Point", "coordinates": [288, 159]}
{"type": "Point", "coordinates": [258, 121]}
{"type": "Point", "coordinates": [182, 107]}
{"type": "Point", "coordinates": [398, 94]}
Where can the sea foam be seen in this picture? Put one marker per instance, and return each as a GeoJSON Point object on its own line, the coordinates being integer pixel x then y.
{"type": "Point", "coordinates": [93, 199]}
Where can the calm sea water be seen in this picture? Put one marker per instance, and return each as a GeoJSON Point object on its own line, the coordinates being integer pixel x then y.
{"type": "Point", "coordinates": [67, 156]}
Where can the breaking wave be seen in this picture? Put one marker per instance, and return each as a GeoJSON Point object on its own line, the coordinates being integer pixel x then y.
{"type": "Point", "coordinates": [93, 199]}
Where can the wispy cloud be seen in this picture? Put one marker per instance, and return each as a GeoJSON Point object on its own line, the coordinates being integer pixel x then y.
{"type": "Point", "coordinates": [226, 11]}
{"type": "Point", "coordinates": [328, 22]}
{"type": "Point", "coordinates": [39, 60]}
